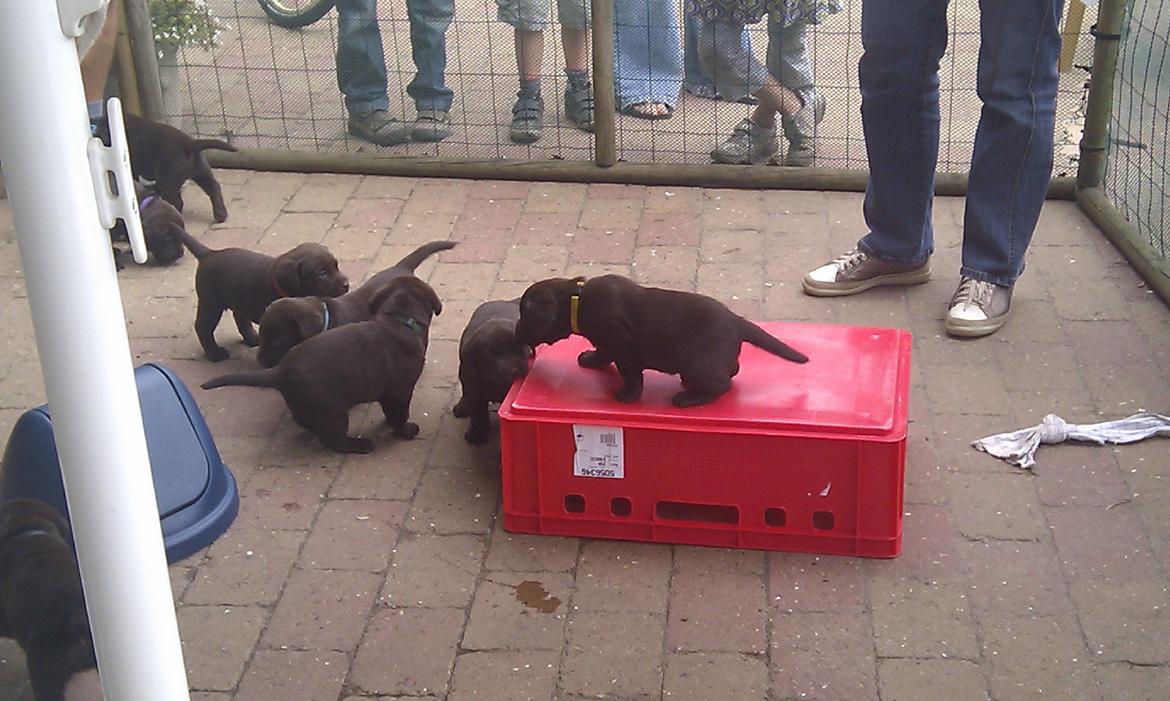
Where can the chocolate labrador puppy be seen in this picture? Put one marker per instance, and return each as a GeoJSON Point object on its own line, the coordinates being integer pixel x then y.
{"type": "Point", "coordinates": [41, 602]}
{"type": "Point", "coordinates": [490, 360]}
{"type": "Point", "coordinates": [289, 321]}
{"type": "Point", "coordinates": [371, 361]}
{"type": "Point", "coordinates": [168, 157]}
{"type": "Point", "coordinates": [246, 282]}
{"type": "Point", "coordinates": [161, 223]}
{"type": "Point", "coordinates": [637, 327]}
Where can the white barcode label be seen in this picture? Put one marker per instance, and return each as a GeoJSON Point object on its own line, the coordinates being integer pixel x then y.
{"type": "Point", "coordinates": [599, 452]}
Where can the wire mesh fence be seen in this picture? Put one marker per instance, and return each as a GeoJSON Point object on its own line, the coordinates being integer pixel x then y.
{"type": "Point", "coordinates": [265, 86]}
{"type": "Point", "coordinates": [1137, 179]}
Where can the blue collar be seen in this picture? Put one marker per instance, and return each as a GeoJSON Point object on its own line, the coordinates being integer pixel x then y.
{"type": "Point", "coordinates": [325, 308]}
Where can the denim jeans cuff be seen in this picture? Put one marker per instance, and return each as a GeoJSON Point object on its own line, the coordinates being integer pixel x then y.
{"type": "Point", "coordinates": [868, 250]}
{"type": "Point", "coordinates": [986, 277]}
{"type": "Point", "coordinates": [355, 107]}
{"type": "Point", "coordinates": [428, 105]}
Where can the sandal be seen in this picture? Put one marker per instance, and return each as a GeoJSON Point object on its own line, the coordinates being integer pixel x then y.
{"type": "Point", "coordinates": [637, 109]}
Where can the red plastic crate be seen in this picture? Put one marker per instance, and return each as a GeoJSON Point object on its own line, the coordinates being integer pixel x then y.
{"type": "Point", "coordinates": [801, 458]}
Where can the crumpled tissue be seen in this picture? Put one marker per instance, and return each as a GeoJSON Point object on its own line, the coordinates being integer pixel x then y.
{"type": "Point", "coordinates": [1019, 447]}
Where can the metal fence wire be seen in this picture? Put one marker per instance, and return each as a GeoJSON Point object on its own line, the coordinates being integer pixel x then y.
{"type": "Point", "coordinates": [268, 87]}
{"type": "Point", "coordinates": [1137, 179]}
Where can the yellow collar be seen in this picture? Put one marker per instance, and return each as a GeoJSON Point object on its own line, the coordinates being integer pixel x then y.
{"type": "Point", "coordinates": [574, 305]}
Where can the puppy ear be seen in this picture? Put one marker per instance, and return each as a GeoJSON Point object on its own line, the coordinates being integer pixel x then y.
{"type": "Point", "coordinates": [380, 297]}
{"type": "Point", "coordinates": [310, 321]}
{"type": "Point", "coordinates": [286, 276]}
{"type": "Point", "coordinates": [433, 299]}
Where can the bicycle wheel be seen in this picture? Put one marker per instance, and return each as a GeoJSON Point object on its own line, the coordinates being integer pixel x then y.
{"type": "Point", "coordinates": [294, 14]}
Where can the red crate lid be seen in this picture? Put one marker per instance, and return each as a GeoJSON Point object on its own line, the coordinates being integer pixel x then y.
{"type": "Point", "coordinates": [854, 382]}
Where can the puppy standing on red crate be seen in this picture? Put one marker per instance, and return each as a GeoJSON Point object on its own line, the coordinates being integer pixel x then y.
{"type": "Point", "coordinates": [246, 282]}
{"type": "Point", "coordinates": [41, 602]}
{"type": "Point", "coordinates": [379, 360]}
{"type": "Point", "coordinates": [490, 360]}
{"type": "Point", "coordinates": [636, 327]}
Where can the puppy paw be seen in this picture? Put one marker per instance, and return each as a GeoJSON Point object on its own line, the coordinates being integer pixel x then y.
{"type": "Point", "coordinates": [215, 355]}
{"type": "Point", "coordinates": [350, 445]}
{"type": "Point", "coordinates": [684, 399]}
{"type": "Point", "coordinates": [220, 216]}
{"type": "Point", "coordinates": [407, 430]}
{"type": "Point", "coordinates": [477, 437]}
{"type": "Point", "coordinates": [251, 342]}
{"type": "Point", "coordinates": [592, 359]}
{"type": "Point", "coordinates": [460, 410]}
{"type": "Point", "coordinates": [625, 395]}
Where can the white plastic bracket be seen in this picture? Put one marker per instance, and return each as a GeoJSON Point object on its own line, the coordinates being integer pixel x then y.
{"type": "Point", "coordinates": [73, 14]}
{"type": "Point", "coordinates": [122, 202]}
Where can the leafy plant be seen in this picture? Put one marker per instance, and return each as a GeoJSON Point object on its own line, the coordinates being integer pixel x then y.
{"type": "Point", "coordinates": [182, 23]}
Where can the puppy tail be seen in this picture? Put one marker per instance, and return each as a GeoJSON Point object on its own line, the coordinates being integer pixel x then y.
{"type": "Point", "coordinates": [762, 339]}
{"type": "Point", "coordinates": [193, 244]}
{"type": "Point", "coordinates": [249, 378]}
{"type": "Point", "coordinates": [201, 144]}
{"type": "Point", "coordinates": [416, 257]}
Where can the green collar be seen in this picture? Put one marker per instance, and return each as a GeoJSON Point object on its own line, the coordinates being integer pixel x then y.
{"type": "Point", "coordinates": [409, 322]}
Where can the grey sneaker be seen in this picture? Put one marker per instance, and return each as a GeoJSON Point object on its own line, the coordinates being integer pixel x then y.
{"type": "Point", "coordinates": [856, 272]}
{"type": "Point", "coordinates": [579, 105]}
{"type": "Point", "coordinates": [800, 130]}
{"type": "Point", "coordinates": [749, 143]}
{"type": "Point", "coordinates": [431, 125]}
{"type": "Point", "coordinates": [527, 115]}
{"type": "Point", "coordinates": [378, 127]}
{"type": "Point", "coordinates": [978, 308]}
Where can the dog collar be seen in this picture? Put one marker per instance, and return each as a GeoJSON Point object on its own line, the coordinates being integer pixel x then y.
{"type": "Point", "coordinates": [21, 534]}
{"type": "Point", "coordinates": [409, 322]}
{"type": "Point", "coordinates": [146, 200]}
{"type": "Point", "coordinates": [574, 305]}
{"type": "Point", "coordinates": [325, 309]}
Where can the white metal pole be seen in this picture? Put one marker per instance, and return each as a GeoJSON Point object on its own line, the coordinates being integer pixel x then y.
{"type": "Point", "coordinates": [85, 357]}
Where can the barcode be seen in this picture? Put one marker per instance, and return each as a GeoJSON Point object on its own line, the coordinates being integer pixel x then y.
{"type": "Point", "coordinates": [609, 439]}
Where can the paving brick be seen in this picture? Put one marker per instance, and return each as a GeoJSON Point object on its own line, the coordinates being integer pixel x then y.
{"type": "Point", "coordinates": [488, 215]}
{"type": "Point", "coordinates": [217, 643]}
{"type": "Point", "coordinates": [520, 552]}
{"type": "Point", "coordinates": [731, 283]}
{"type": "Point", "coordinates": [1042, 366]}
{"type": "Point", "coordinates": [922, 619]}
{"type": "Point", "coordinates": [1079, 475]}
{"type": "Point", "coordinates": [1102, 543]}
{"type": "Point", "coordinates": [13, 674]}
{"type": "Point", "coordinates": [724, 613]}
{"type": "Point", "coordinates": [555, 197]}
{"type": "Point", "coordinates": [1121, 680]}
{"type": "Point", "coordinates": [590, 269]}
{"type": "Point", "coordinates": [669, 266]}
{"type": "Point", "coordinates": [433, 195]}
{"type": "Point", "coordinates": [407, 651]}
{"type": "Point", "coordinates": [802, 642]}
{"type": "Point", "coordinates": [414, 227]}
{"type": "Point", "coordinates": [434, 570]}
{"type": "Point", "coordinates": [349, 244]}
{"type": "Point", "coordinates": [323, 193]}
{"type": "Point", "coordinates": [885, 306]}
{"type": "Point", "coordinates": [369, 214]}
{"type": "Point", "coordinates": [479, 246]}
{"type": "Point", "coordinates": [611, 213]}
{"type": "Point", "coordinates": [353, 534]}
{"type": "Point", "coordinates": [732, 246]}
{"type": "Point", "coordinates": [927, 680]}
{"type": "Point", "coordinates": [1114, 344]}
{"type": "Point", "coordinates": [283, 498]}
{"type": "Point", "coordinates": [1015, 577]}
{"type": "Point", "coordinates": [534, 262]}
{"type": "Point", "coordinates": [311, 675]}
{"type": "Point", "coordinates": [608, 245]}
{"type": "Point", "coordinates": [674, 228]}
{"type": "Point", "coordinates": [1038, 658]}
{"type": "Point", "coordinates": [613, 655]}
{"type": "Point", "coordinates": [522, 676]}
{"type": "Point", "coordinates": [383, 186]}
{"type": "Point", "coordinates": [210, 696]}
{"type": "Point", "coordinates": [694, 561]}
{"type": "Point", "coordinates": [292, 229]}
{"type": "Point", "coordinates": [501, 618]}
{"type": "Point", "coordinates": [245, 566]}
{"type": "Point", "coordinates": [1000, 506]}
{"type": "Point", "coordinates": [732, 210]}
{"type": "Point", "coordinates": [673, 199]}
{"type": "Point", "coordinates": [618, 577]}
{"type": "Point", "coordinates": [464, 280]}
{"type": "Point", "coordinates": [322, 610]}
{"type": "Point", "coordinates": [704, 676]}
{"type": "Point", "coordinates": [500, 189]}
{"type": "Point", "coordinates": [547, 228]}
{"type": "Point", "coordinates": [453, 500]}
{"type": "Point", "coordinates": [961, 388]}
{"type": "Point", "coordinates": [798, 582]}
{"type": "Point", "coordinates": [1125, 621]}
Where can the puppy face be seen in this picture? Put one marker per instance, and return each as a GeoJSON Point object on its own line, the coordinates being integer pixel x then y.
{"type": "Point", "coordinates": [285, 323]}
{"type": "Point", "coordinates": [160, 225]}
{"type": "Point", "coordinates": [544, 313]}
{"type": "Point", "coordinates": [310, 269]}
{"type": "Point", "coordinates": [407, 296]}
{"type": "Point", "coordinates": [499, 356]}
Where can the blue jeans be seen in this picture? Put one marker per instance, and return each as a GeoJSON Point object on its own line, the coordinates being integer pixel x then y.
{"type": "Point", "coordinates": [647, 52]}
{"type": "Point", "coordinates": [361, 65]}
{"type": "Point", "coordinates": [903, 42]}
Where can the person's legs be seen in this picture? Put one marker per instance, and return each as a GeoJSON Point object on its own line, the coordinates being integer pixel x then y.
{"type": "Point", "coordinates": [903, 41]}
{"type": "Point", "coordinates": [647, 56]}
{"type": "Point", "coordinates": [95, 64]}
{"type": "Point", "coordinates": [788, 59]}
{"type": "Point", "coordinates": [361, 65]}
{"type": "Point", "coordinates": [574, 17]}
{"type": "Point", "coordinates": [528, 111]}
{"type": "Point", "coordinates": [429, 20]}
{"type": "Point", "coordinates": [1012, 160]}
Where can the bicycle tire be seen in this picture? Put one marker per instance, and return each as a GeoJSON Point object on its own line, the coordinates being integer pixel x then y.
{"type": "Point", "coordinates": [290, 17]}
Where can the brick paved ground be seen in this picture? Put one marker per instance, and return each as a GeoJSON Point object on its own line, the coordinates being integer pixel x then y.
{"type": "Point", "coordinates": [388, 576]}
